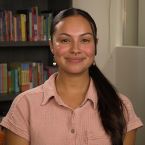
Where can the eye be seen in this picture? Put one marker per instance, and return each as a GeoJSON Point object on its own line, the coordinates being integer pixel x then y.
{"type": "Point", "coordinates": [65, 40]}
{"type": "Point", "coordinates": [85, 40]}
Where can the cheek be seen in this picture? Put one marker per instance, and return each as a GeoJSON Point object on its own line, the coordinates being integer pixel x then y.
{"type": "Point", "coordinates": [89, 50]}
{"type": "Point", "coordinates": [59, 50]}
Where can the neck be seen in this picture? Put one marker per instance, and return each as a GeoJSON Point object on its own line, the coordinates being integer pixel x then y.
{"type": "Point", "coordinates": [72, 81]}
{"type": "Point", "coordinates": [72, 88]}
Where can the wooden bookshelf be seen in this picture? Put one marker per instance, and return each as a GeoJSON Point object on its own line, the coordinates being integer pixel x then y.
{"type": "Point", "coordinates": [27, 51]}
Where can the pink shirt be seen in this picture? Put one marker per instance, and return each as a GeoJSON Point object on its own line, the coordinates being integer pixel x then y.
{"type": "Point", "coordinates": [40, 116]}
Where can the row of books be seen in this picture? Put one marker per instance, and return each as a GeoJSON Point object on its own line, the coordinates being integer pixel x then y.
{"type": "Point", "coordinates": [25, 25]}
{"type": "Point", "coordinates": [18, 77]}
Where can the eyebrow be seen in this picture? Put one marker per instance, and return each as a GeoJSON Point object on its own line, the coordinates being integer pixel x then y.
{"type": "Point", "coordinates": [88, 33]}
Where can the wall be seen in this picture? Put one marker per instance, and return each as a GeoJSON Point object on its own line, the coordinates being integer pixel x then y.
{"type": "Point", "coordinates": [134, 21]}
{"type": "Point", "coordinates": [130, 79]}
{"type": "Point", "coordinates": [130, 32]}
{"type": "Point", "coordinates": [141, 24]}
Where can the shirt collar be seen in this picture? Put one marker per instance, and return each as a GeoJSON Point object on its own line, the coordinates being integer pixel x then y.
{"type": "Point", "coordinates": [91, 94]}
{"type": "Point", "coordinates": [49, 91]}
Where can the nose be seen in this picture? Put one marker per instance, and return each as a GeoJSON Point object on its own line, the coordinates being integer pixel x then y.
{"type": "Point", "coordinates": [75, 47]}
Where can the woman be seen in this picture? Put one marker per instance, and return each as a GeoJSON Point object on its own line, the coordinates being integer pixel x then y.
{"type": "Point", "coordinates": [77, 105]}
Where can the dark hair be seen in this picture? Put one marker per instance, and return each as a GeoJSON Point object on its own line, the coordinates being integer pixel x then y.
{"type": "Point", "coordinates": [110, 106]}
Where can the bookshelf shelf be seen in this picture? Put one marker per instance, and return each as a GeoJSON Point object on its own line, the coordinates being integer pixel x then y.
{"type": "Point", "coordinates": [24, 44]}
{"type": "Point", "coordinates": [26, 52]}
{"type": "Point", "coordinates": [7, 97]}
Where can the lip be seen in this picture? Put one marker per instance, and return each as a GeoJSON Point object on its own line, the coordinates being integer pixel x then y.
{"type": "Point", "coordinates": [74, 60]}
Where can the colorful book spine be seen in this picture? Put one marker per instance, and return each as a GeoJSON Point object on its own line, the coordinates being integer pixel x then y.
{"type": "Point", "coordinates": [25, 77]}
{"type": "Point", "coordinates": [30, 26]}
{"type": "Point", "coordinates": [9, 82]}
{"type": "Point", "coordinates": [16, 81]}
{"type": "Point", "coordinates": [23, 26]}
{"type": "Point", "coordinates": [3, 78]}
{"type": "Point", "coordinates": [0, 78]}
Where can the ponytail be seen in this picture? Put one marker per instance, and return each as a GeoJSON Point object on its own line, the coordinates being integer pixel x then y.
{"type": "Point", "coordinates": [110, 107]}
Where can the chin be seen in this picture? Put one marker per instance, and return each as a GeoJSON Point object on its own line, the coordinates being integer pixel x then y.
{"type": "Point", "coordinates": [77, 72]}
{"type": "Point", "coordinates": [74, 69]}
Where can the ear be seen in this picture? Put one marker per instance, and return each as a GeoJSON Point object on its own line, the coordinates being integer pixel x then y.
{"type": "Point", "coordinates": [51, 45]}
{"type": "Point", "coordinates": [96, 43]}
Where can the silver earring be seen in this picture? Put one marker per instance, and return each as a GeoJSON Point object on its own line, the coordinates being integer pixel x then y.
{"type": "Point", "coordinates": [54, 62]}
{"type": "Point", "coordinates": [94, 63]}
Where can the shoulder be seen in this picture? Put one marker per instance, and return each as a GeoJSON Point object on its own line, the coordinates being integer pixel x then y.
{"type": "Point", "coordinates": [28, 96]}
{"type": "Point", "coordinates": [132, 120]}
{"type": "Point", "coordinates": [18, 117]}
{"type": "Point", "coordinates": [125, 99]}
{"type": "Point", "coordinates": [127, 103]}
{"type": "Point", "coordinates": [36, 95]}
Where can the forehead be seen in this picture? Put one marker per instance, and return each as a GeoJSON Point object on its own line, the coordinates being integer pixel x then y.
{"type": "Point", "coordinates": [73, 23]}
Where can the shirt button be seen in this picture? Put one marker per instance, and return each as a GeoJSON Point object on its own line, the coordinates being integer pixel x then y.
{"type": "Point", "coordinates": [72, 130]}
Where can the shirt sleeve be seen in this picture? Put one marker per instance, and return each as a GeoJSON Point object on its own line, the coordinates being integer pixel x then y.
{"type": "Point", "coordinates": [17, 118]}
{"type": "Point", "coordinates": [132, 120]}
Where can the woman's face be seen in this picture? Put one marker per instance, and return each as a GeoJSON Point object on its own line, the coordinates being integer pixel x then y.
{"type": "Point", "coordinates": [73, 45]}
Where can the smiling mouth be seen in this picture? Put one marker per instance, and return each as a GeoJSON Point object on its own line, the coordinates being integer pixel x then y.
{"type": "Point", "coordinates": [74, 60]}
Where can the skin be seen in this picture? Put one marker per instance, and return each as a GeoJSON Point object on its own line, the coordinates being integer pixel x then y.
{"type": "Point", "coordinates": [74, 51]}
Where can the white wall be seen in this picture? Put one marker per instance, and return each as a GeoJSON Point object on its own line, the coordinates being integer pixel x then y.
{"type": "Point", "coordinates": [141, 24]}
{"type": "Point", "coordinates": [130, 79]}
{"type": "Point", "coordinates": [130, 32]}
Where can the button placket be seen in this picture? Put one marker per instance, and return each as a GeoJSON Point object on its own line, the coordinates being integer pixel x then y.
{"type": "Point", "coordinates": [73, 130]}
